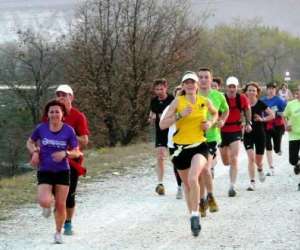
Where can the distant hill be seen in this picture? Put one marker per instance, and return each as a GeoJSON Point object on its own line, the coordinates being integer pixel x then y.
{"type": "Point", "coordinates": [54, 15]}
{"type": "Point", "coordinates": [283, 14]}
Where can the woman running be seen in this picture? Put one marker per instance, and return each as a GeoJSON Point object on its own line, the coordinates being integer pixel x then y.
{"type": "Point", "coordinates": [256, 138]}
{"type": "Point", "coordinates": [189, 112]}
{"type": "Point", "coordinates": [49, 145]}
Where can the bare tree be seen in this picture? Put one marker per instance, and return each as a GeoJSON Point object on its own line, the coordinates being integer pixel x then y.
{"type": "Point", "coordinates": [118, 48]}
{"type": "Point", "coordinates": [30, 68]}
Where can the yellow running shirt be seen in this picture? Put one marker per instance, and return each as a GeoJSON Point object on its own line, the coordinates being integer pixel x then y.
{"type": "Point", "coordinates": [189, 129]}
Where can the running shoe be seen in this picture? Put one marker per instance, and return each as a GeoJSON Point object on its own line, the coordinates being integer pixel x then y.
{"type": "Point", "coordinates": [160, 189]}
{"type": "Point", "coordinates": [203, 206]}
{"type": "Point", "coordinates": [195, 225]}
{"type": "Point", "coordinates": [212, 204]}
{"type": "Point", "coordinates": [46, 212]}
{"type": "Point", "coordinates": [179, 193]}
{"type": "Point", "coordinates": [261, 176]}
{"type": "Point", "coordinates": [68, 228]}
{"type": "Point", "coordinates": [271, 172]}
{"type": "Point", "coordinates": [297, 169]}
{"type": "Point", "coordinates": [58, 238]}
{"type": "Point", "coordinates": [251, 186]}
{"type": "Point", "coordinates": [232, 192]}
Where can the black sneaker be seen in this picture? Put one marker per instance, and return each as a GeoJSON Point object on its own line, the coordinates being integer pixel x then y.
{"type": "Point", "coordinates": [297, 169]}
{"type": "Point", "coordinates": [195, 225]}
{"type": "Point", "coordinates": [231, 192]}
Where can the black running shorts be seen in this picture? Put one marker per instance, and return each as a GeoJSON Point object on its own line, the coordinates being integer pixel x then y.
{"type": "Point", "coordinates": [52, 178]}
{"type": "Point", "coordinates": [212, 148]}
{"type": "Point", "coordinates": [161, 138]}
{"type": "Point", "coordinates": [230, 137]}
{"type": "Point", "coordinates": [183, 159]}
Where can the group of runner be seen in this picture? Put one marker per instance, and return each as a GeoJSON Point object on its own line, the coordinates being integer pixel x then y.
{"type": "Point", "coordinates": [200, 119]}
{"type": "Point", "coordinates": [192, 125]}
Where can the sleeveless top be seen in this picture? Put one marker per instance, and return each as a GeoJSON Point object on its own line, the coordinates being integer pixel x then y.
{"type": "Point", "coordinates": [189, 129]}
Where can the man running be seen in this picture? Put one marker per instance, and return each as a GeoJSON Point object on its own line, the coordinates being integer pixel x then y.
{"type": "Point", "coordinates": [78, 122]}
{"type": "Point", "coordinates": [292, 117]}
{"type": "Point", "coordinates": [231, 132]}
{"type": "Point", "coordinates": [161, 100]}
{"type": "Point", "coordinates": [213, 137]}
{"type": "Point", "coordinates": [274, 128]}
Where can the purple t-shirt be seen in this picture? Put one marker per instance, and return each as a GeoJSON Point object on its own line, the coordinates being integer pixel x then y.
{"type": "Point", "coordinates": [51, 142]}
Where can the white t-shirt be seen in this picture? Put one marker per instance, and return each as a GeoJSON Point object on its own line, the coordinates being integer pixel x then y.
{"type": "Point", "coordinates": [172, 129]}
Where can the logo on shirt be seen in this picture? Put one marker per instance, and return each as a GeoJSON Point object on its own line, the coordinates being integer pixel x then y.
{"type": "Point", "coordinates": [54, 143]}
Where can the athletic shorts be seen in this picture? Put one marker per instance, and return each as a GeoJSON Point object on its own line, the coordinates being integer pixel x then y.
{"type": "Point", "coordinates": [212, 148]}
{"type": "Point", "coordinates": [52, 178]}
{"type": "Point", "coordinates": [257, 140]}
{"type": "Point", "coordinates": [230, 137]}
{"type": "Point", "coordinates": [161, 138]}
{"type": "Point", "coordinates": [182, 158]}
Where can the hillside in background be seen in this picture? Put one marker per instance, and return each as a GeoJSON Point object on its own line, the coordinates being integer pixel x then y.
{"type": "Point", "coordinates": [55, 15]}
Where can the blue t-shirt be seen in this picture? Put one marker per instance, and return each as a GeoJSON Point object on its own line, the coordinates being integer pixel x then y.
{"type": "Point", "coordinates": [51, 142]}
{"type": "Point", "coordinates": [276, 103]}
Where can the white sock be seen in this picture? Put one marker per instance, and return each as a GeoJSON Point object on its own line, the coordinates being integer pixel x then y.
{"type": "Point", "coordinates": [195, 213]}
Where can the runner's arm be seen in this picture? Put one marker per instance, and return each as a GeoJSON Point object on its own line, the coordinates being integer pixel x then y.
{"type": "Point", "coordinates": [213, 111]}
{"type": "Point", "coordinates": [83, 140]}
{"type": "Point", "coordinates": [170, 118]}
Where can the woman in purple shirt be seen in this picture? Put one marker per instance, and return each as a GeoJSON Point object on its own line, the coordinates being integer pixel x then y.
{"type": "Point", "coordinates": [49, 145]}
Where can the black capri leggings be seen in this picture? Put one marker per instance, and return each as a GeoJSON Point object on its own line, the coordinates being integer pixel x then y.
{"type": "Point", "coordinates": [294, 147]}
{"type": "Point", "coordinates": [276, 134]}
{"type": "Point", "coordinates": [72, 190]}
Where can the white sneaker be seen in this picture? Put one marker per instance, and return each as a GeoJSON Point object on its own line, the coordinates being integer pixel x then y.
{"type": "Point", "coordinates": [251, 186]}
{"type": "Point", "coordinates": [46, 212]}
{"type": "Point", "coordinates": [261, 176]}
{"type": "Point", "coordinates": [179, 193]}
{"type": "Point", "coordinates": [58, 238]}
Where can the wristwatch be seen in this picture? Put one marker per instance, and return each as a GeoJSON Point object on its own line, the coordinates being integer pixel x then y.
{"type": "Point", "coordinates": [178, 116]}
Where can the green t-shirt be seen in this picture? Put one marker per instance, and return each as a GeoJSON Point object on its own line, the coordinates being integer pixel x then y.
{"type": "Point", "coordinates": [292, 114]}
{"type": "Point", "coordinates": [219, 101]}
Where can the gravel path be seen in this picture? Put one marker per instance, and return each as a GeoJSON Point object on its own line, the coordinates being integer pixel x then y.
{"type": "Point", "coordinates": [123, 212]}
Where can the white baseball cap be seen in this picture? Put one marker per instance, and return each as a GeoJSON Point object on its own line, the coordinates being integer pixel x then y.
{"type": "Point", "coordinates": [191, 76]}
{"type": "Point", "coordinates": [232, 80]}
{"type": "Point", "coordinates": [64, 88]}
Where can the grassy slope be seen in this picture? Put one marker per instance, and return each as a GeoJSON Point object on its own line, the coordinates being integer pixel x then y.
{"type": "Point", "coordinates": [21, 190]}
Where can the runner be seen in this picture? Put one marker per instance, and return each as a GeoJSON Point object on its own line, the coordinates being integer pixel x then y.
{"type": "Point", "coordinates": [161, 100]}
{"type": "Point", "coordinates": [231, 132]}
{"type": "Point", "coordinates": [292, 118]}
{"type": "Point", "coordinates": [78, 122]}
{"type": "Point", "coordinates": [284, 92]}
{"type": "Point", "coordinates": [213, 137]}
{"type": "Point", "coordinates": [216, 83]}
{"type": "Point", "coordinates": [256, 138]}
{"type": "Point", "coordinates": [172, 130]}
{"type": "Point", "coordinates": [50, 144]}
{"type": "Point", "coordinates": [274, 128]}
{"type": "Point", "coordinates": [189, 111]}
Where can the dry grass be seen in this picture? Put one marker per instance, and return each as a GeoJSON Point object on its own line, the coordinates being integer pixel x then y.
{"type": "Point", "coordinates": [21, 190]}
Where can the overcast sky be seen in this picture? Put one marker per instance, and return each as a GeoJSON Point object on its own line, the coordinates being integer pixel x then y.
{"type": "Point", "coordinates": [55, 15]}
